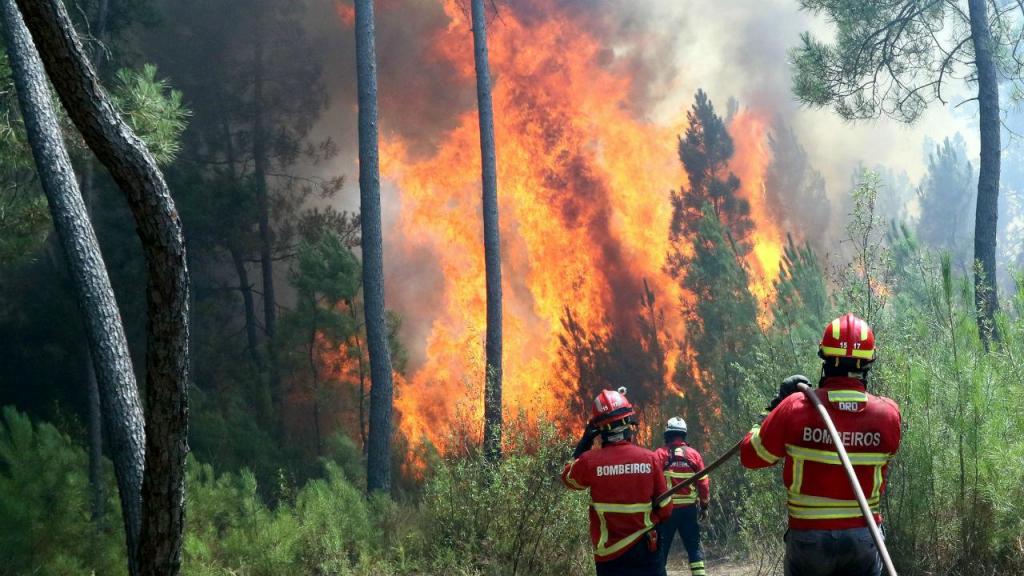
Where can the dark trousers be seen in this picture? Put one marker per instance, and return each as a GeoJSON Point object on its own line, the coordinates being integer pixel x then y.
{"type": "Point", "coordinates": [637, 561]}
{"type": "Point", "coordinates": [850, 552]}
{"type": "Point", "coordinates": [684, 522]}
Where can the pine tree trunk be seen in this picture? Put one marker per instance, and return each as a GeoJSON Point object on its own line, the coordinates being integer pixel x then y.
{"type": "Point", "coordinates": [95, 441]}
{"type": "Point", "coordinates": [492, 237]}
{"type": "Point", "coordinates": [259, 154]}
{"type": "Point", "coordinates": [167, 292]}
{"type": "Point", "coordinates": [378, 460]}
{"type": "Point", "coordinates": [987, 210]}
{"type": "Point", "coordinates": [248, 305]}
{"type": "Point", "coordinates": [107, 343]}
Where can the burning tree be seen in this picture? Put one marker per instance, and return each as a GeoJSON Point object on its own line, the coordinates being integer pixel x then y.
{"type": "Point", "coordinates": [710, 236]}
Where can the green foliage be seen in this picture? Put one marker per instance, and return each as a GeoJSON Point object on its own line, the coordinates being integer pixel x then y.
{"type": "Point", "coordinates": [24, 219]}
{"type": "Point", "coordinates": [153, 110]}
{"type": "Point", "coordinates": [705, 151]}
{"type": "Point", "coordinates": [512, 517]}
{"type": "Point", "coordinates": [723, 321]}
{"type": "Point", "coordinates": [45, 525]}
{"type": "Point", "coordinates": [955, 486]}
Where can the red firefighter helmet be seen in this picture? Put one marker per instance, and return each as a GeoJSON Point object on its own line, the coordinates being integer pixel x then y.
{"type": "Point", "coordinates": [610, 406]}
{"type": "Point", "coordinates": [848, 337]}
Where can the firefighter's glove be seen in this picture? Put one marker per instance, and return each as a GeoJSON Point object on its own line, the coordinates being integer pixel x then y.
{"type": "Point", "coordinates": [788, 386]}
{"type": "Point", "coordinates": [704, 511]}
{"type": "Point", "coordinates": [585, 441]}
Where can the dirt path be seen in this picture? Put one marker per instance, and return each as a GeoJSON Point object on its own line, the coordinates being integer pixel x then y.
{"type": "Point", "coordinates": [714, 568]}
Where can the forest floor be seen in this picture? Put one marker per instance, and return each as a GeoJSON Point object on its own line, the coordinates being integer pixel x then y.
{"type": "Point", "coordinates": [678, 567]}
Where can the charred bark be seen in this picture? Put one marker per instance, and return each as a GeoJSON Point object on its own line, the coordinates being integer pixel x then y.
{"type": "Point", "coordinates": [112, 364]}
{"type": "Point", "coordinates": [492, 236]}
{"type": "Point", "coordinates": [167, 292]}
{"type": "Point", "coordinates": [987, 209]}
{"type": "Point", "coordinates": [378, 460]}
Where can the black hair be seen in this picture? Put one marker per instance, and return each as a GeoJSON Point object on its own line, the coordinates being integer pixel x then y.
{"type": "Point", "coordinates": [848, 367]}
{"type": "Point", "coordinates": [670, 434]}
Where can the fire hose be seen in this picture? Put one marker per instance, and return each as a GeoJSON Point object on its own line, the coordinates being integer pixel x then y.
{"type": "Point", "coordinates": [865, 509]}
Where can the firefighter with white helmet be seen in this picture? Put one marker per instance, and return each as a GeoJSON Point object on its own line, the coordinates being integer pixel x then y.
{"type": "Point", "coordinates": [624, 479]}
{"type": "Point", "coordinates": [680, 461]}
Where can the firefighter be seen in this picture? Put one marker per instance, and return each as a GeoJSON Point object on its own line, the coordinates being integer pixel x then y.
{"type": "Point", "coordinates": [827, 534]}
{"type": "Point", "coordinates": [624, 479]}
{"type": "Point", "coordinates": [680, 461]}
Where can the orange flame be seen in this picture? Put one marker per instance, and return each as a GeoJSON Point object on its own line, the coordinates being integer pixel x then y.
{"type": "Point", "coordinates": [583, 186]}
{"type": "Point", "coordinates": [749, 131]}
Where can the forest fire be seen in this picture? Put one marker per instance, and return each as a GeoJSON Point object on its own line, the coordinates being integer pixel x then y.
{"type": "Point", "coordinates": [584, 188]}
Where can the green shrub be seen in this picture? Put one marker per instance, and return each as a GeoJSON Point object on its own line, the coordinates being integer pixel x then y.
{"type": "Point", "coordinates": [509, 518]}
{"type": "Point", "coordinates": [45, 525]}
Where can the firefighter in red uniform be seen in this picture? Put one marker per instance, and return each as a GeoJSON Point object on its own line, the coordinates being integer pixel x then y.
{"type": "Point", "coordinates": [827, 534]}
{"type": "Point", "coordinates": [680, 461]}
{"type": "Point", "coordinates": [624, 479]}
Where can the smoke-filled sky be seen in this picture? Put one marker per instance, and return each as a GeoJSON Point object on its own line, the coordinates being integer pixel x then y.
{"type": "Point", "coordinates": [735, 49]}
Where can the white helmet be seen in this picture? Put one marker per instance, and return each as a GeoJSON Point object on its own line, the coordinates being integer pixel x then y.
{"type": "Point", "coordinates": [675, 424]}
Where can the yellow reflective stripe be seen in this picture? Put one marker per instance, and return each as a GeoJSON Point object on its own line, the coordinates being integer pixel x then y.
{"type": "Point", "coordinates": [570, 480]}
{"type": "Point", "coordinates": [833, 351]}
{"type": "Point", "coordinates": [826, 457]}
{"type": "Point", "coordinates": [866, 354]}
{"type": "Point", "coordinates": [697, 568]}
{"type": "Point", "coordinates": [759, 449]}
{"type": "Point", "coordinates": [835, 328]}
{"type": "Point", "coordinates": [798, 475]}
{"type": "Point", "coordinates": [847, 396]}
{"type": "Point", "coordinates": [686, 499]}
{"type": "Point", "coordinates": [665, 502]}
{"type": "Point", "coordinates": [601, 549]}
{"type": "Point", "coordinates": [622, 508]}
{"type": "Point", "coordinates": [807, 501]}
{"type": "Point", "coordinates": [876, 491]}
{"type": "Point", "coordinates": [863, 330]}
{"type": "Point", "coordinates": [826, 513]}
{"type": "Point", "coordinates": [683, 475]}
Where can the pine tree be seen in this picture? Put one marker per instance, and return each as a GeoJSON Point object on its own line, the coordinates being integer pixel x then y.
{"type": "Point", "coordinates": [946, 194]}
{"type": "Point", "coordinates": [710, 226]}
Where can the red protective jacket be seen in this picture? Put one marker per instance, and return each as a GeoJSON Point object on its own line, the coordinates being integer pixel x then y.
{"type": "Point", "coordinates": [624, 479]}
{"type": "Point", "coordinates": [681, 467]}
{"type": "Point", "coordinates": [820, 496]}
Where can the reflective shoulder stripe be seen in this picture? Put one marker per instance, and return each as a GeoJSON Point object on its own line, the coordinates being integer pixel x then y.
{"type": "Point", "coordinates": [570, 480]}
{"type": "Point", "coordinates": [762, 452]}
{"type": "Point", "coordinates": [847, 396]}
{"type": "Point", "coordinates": [681, 475]}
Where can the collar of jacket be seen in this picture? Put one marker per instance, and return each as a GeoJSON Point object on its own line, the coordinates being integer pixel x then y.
{"type": "Point", "coordinates": [844, 383]}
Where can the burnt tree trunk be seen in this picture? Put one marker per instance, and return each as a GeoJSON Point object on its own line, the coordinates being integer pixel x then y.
{"type": "Point", "coordinates": [112, 363]}
{"type": "Point", "coordinates": [259, 154]}
{"type": "Point", "coordinates": [167, 291]}
{"type": "Point", "coordinates": [987, 210]}
{"type": "Point", "coordinates": [378, 458]}
{"type": "Point", "coordinates": [492, 236]}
